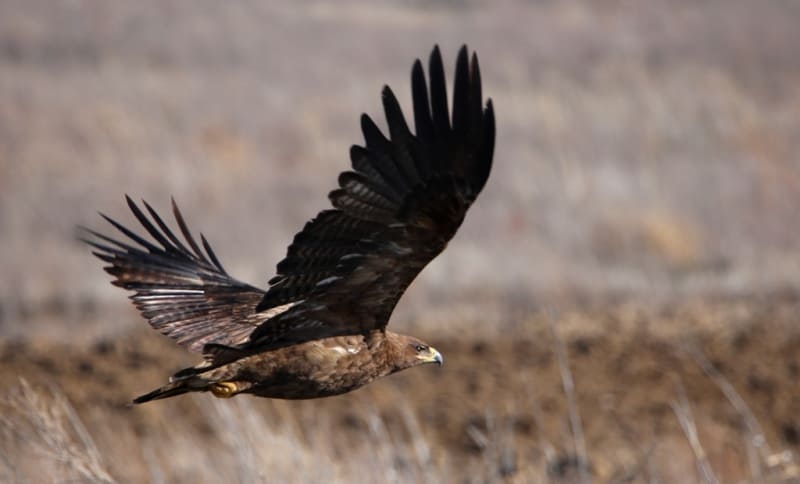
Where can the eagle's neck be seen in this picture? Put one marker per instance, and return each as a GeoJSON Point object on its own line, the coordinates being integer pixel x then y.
{"type": "Point", "coordinates": [393, 351]}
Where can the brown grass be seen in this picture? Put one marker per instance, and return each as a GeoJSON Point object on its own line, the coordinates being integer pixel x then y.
{"type": "Point", "coordinates": [44, 439]}
{"type": "Point", "coordinates": [575, 395]}
{"type": "Point", "coordinates": [643, 148]}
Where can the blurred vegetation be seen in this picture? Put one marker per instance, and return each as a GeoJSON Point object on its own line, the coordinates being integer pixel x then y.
{"type": "Point", "coordinates": [647, 151]}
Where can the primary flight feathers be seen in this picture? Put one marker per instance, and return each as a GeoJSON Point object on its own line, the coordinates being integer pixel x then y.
{"type": "Point", "coordinates": [343, 274]}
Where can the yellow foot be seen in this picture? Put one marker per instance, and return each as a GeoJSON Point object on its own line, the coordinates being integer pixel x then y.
{"type": "Point", "coordinates": [224, 389]}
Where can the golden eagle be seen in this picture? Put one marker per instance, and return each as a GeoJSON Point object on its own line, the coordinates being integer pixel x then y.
{"type": "Point", "coordinates": [320, 328]}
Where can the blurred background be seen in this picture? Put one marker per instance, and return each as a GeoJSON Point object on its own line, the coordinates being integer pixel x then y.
{"type": "Point", "coordinates": [645, 187]}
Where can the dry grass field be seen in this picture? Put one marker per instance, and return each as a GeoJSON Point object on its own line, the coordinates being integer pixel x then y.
{"type": "Point", "coordinates": [621, 304]}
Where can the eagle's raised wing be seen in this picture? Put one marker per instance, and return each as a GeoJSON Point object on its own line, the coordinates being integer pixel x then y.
{"type": "Point", "coordinates": [404, 200]}
{"type": "Point", "coordinates": [346, 270]}
{"type": "Point", "coordinates": [182, 292]}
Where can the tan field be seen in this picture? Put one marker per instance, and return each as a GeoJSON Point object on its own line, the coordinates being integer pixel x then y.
{"type": "Point", "coordinates": [622, 303]}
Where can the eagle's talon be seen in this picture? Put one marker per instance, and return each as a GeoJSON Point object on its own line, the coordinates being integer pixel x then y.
{"type": "Point", "coordinates": [224, 389]}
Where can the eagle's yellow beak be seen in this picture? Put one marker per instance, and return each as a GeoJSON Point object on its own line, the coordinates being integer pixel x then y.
{"type": "Point", "coordinates": [432, 356]}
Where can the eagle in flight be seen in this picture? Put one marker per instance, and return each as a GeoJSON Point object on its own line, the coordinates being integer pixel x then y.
{"type": "Point", "coordinates": [320, 328]}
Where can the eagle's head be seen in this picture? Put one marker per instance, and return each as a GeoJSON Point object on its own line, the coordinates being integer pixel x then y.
{"type": "Point", "coordinates": [424, 353]}
{"type": "Point", "coordinates": [410, 351]}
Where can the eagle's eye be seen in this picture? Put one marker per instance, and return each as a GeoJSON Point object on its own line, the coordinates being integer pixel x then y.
{"type": "Point", "coordinates": [420, 348]}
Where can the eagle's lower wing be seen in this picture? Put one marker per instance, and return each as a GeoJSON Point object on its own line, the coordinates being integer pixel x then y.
{"type": "Point", "coordinates": [398, 208]}
{"type": "Point", "coordinates": [182, 291]}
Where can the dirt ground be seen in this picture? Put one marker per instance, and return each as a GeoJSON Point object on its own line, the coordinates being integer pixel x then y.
{"type": "Point", "coordinates": [498, 408]}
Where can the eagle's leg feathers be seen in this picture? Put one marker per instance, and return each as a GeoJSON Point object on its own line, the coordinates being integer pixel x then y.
{"type": "Point", "coordinates": [220, 389]}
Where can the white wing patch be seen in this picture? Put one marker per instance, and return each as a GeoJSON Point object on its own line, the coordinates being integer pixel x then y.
{"type": "Point", "coordinates": [272, 312]}
{"type": "Point", "coordinates": [399, 249]}
{"type": "Point", "coordinates": [328, 280]}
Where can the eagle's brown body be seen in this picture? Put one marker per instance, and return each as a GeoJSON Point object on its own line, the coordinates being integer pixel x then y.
{"type": "Point", "coordinates": [320, 328]}
{"type": "Point", "coordinates": [314, 369]}
{"type": "Point", "coordinates": [326, 367]}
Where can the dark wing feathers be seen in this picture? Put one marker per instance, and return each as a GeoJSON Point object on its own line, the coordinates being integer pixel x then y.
{"type": "Point", "coordinates": [184, 293]}
{"type": "Point", "coordinates": [404, 200]}
{"type": "Point", "coordinates": [441, 116]}
{"type": "Point", "coordinates": [345, 271]}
